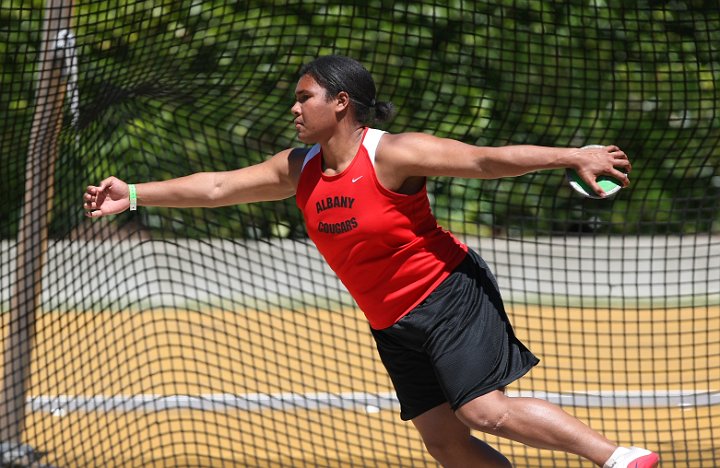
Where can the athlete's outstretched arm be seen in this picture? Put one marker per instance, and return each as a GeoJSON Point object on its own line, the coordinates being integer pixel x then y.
{"type": "Point", "coordinates": [418, 154]}
{"type": "Point", "coordinates": [273, 179]}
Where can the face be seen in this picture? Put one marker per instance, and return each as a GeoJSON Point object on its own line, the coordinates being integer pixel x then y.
{"type": "Point", "coordinates": [316, 117]}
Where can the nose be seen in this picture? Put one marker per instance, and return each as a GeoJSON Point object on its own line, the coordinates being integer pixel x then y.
{"type": "Point", "coordinates": [295, 109]}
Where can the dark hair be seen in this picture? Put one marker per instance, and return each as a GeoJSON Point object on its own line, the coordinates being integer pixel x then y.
{"type": "Point", "coordinates": [337, 73]}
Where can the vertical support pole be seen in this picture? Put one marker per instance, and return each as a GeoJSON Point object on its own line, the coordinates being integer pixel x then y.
{"type": "Point", "coordinates": [33, 227]}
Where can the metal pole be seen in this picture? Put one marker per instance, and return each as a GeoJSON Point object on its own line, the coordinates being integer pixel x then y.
{"type": "Point", "coordinates": [33, 228]}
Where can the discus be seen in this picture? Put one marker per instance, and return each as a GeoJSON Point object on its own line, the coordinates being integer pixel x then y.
{"type": "Point", "coordinates": [609, 184]}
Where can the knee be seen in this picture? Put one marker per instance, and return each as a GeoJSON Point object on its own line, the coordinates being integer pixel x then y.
{"type": "Point", "coordinates": [490, 419]}
{"type": "Point", "coordinates": [440, 450]}
{"type": "Point", "coordinates": [447, 451]}
{"type": "Point", "coordinates": [441, 445]}
{"type": "Point", "coordinates": [492, 423]}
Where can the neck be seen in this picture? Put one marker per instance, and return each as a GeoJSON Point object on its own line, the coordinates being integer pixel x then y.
{"type": "Point", "coordinates": [340, 149]}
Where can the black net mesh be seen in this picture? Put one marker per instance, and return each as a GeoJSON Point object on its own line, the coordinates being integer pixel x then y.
{"type": "Point", "coordinates": [207, 337]}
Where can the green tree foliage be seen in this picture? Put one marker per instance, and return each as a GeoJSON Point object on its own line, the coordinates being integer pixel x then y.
{"type": "Point", "coordinates": [20, 26]}
{"type": "Point", "coordinates": [172, 87]}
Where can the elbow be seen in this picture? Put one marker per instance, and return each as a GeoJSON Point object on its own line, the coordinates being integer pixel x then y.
{"type": "Point", "coordinates": [484, 164]}
{"type": "Point", "coordinates": [483, 169]}
{"type": "Point", "coordinates": [215, 193]}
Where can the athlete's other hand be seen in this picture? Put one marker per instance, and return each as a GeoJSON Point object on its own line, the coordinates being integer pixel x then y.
{"type": "Point", "coordinates": [112, 196]}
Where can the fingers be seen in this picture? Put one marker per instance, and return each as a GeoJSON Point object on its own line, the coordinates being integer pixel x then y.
{"type": "Point", "coordinates": [91, 199]}
{"type": "Point", "coordinates": [596, 188]}
{"type": "Point", "coordinates": [94, 214]}
{"type": "Point", "coordinates": [92, 210]}
{"type": "Point", "coordinates": [621, 177]}
{"type": "Point", "coordinates": [621, 165]}
{"type": "Point", "coordinates": [90, 204]}
{"type": "Point", "coordinates": [90, 194]}
{"type": "Point", "coordinates": [106, 183]}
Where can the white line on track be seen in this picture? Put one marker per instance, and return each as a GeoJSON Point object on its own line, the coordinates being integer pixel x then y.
{"type": "Point", "coordinates": [353, 401]}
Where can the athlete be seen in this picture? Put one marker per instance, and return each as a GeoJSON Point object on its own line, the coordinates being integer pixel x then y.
{"type": "Point", "coordinates": [433, 305]}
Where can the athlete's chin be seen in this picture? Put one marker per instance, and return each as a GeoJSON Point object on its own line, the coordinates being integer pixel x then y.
{"type": "Point", "coordinates": [306, 138]}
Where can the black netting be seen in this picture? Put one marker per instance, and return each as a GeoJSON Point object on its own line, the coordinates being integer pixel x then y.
{"type": "Point", "coordinates": [208, 337]}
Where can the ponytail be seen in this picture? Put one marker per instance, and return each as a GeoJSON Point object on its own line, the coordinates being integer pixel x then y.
{"type": "Point", "coordinates": [384, 111]}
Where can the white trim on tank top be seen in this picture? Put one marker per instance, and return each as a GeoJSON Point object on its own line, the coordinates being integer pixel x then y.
{"type": "Point", "coordinates": [370, 142]}
{"type": "Point", "coordinates": [310, 154]}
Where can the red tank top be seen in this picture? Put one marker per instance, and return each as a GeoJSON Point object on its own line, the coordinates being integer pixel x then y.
{"type": "Point", "coordinates": [385, 247]}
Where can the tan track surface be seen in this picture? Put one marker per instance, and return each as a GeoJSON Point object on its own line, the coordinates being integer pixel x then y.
{"type": "Point", "coordinates": [183, 352]}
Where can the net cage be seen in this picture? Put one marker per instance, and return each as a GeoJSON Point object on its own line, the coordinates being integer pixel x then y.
{"type": "Point", "coordinates": [209, 337]}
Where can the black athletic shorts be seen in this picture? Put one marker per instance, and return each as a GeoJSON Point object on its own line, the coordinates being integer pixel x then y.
{"type": "Point", "coordinates": [454, 346]}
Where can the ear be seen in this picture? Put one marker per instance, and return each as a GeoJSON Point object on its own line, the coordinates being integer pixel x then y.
{"type": "Point", "coordinates": [342, 101]}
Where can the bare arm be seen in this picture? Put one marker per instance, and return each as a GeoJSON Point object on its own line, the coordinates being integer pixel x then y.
{"type": "Point", "coordinates": [420, 155]}
{"type": "Point", "coordinates": [274, 179]}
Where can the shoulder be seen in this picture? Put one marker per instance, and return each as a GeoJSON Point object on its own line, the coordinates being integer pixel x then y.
{"type": "Point", "coordinates": [399, 160]}
{"type": "Point", "coordinates": [290, 157]}
{"type": "Point", "coordinates": [423, 155]}
{"type": "Point", "coordinates": [404, 148]}
{"type": "Point", "coordinates": [288, 163]}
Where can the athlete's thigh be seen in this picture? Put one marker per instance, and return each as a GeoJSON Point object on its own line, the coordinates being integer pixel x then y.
{"type": "Point", "coordinates": [440, 425]}
{"type": "Point", "coordinates": [450, 441]}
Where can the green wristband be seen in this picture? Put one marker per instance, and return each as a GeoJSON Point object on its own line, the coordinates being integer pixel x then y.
{"type": "Point", "coordinates": [133, 197]}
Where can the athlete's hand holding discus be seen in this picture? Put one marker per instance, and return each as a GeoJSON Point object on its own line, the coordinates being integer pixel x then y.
{"type": "Point", "coordinates": [603, 181]}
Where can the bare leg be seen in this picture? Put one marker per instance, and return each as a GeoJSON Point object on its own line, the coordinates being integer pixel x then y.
{"type": "Point", "coordinates": [536, 423]}
{"type": "Point", "coordinates": [449, 441]}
